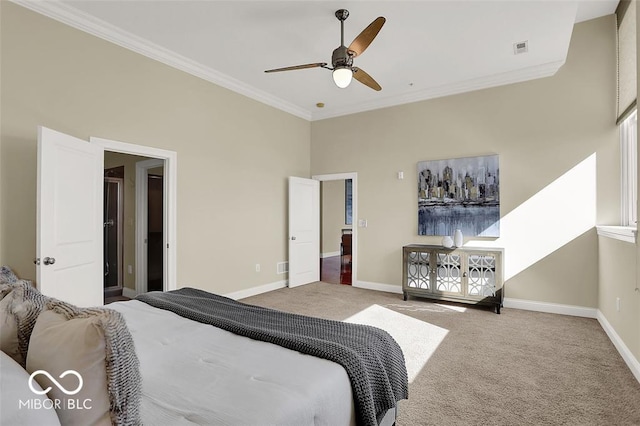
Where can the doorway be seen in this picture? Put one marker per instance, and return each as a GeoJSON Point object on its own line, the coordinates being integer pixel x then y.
{"type": "Point", "coordinates": [131, 210]}
{"type": "Point", "coordinates": [136, 265]}
{"type": "Point", "coordinates": [155, 196]}
{"type": "Point", "coordinates": [113, 235]}
{"type": "Point", "coordinates": [338, 210]}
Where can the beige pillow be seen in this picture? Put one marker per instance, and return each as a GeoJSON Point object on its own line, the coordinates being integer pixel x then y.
{"type": "Point", "coordinates": [97, 346]}
{"type": "Point", "coordinates": [58, 345]}
{"type": "Point", "coordinates": [19, 309]}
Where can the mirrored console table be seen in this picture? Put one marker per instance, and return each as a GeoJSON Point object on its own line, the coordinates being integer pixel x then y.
{"type": "Point", "coordinates": [464, 274]}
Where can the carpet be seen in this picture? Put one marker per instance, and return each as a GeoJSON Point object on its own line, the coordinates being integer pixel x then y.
{"type": "Point", "coordinates": [470, 366]}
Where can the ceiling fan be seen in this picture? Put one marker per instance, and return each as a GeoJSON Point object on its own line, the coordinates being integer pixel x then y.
{"type": "Point", "coordinates": [342, 58]}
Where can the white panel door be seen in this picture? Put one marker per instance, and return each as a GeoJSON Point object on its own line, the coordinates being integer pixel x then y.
{"type": "Point", "coordinates": [69, 218]}
{"type": "Point", "coordinates": [304, 231]}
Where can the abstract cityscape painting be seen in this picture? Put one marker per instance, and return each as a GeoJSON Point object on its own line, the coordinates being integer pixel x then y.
{"type": "Point", "coordinates": [460, 193]}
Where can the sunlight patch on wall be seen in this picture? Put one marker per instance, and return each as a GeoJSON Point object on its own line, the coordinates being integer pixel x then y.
{"type": "Point", "coordinates": [418, 339]}
{"type": "Point", "coordinates": [559, 213]}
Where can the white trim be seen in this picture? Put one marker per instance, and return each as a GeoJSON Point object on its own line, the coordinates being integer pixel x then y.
{"type": "Point", "coordinates": [354, 210]}
{"type": "Point", "coordinates": [552, 308]}
{"type": "Point", "coordinates": [77, 19]}
{"type": "Point", "coordinates": [627, 356]}
{"type": "Point", "coordinates": [622, 233]}
{"type": "Point", "coordinates": [629, 169]}
{"type": "Point", "coordinates": [90, 24]}
{"type": "Point", "coordinates": [330, 254]}
{"type": "Point", "coordinates": [142, 225]}
{"type": "Point", "coordinates": [510, 77]}
{"type": "Point", "coordinates": [170, 200]}
{"type": "Point", "coordinates": [130, 293]}
{"type": "Point", "coordinates": [254, 291]}
{"type": "Point", "coordinates": [387, 288]}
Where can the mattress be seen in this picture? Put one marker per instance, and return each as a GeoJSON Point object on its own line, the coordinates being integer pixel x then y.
{"type": "Point", "coordinates": [194, 373]}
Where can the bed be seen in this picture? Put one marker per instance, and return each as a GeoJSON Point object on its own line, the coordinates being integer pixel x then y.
{"type": "Point", "coordinates": [195, 373]}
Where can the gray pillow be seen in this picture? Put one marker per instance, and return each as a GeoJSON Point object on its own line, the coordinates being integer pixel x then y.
{"type": "Point", "coordinates": [19, 308]}
{"type": "Point", "coordinates": [7, 275]}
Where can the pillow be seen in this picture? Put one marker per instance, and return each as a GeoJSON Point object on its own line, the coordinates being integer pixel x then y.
{"type": "Point", "coordinates": [96, 344]}
{"type": "Point", "coordinates": [20, 405]}
{"type": "Point", "coordinates": [19, 309]}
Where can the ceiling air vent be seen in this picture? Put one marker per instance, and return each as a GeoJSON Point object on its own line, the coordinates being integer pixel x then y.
{"type": "Point", "coordinates": [520, 47]}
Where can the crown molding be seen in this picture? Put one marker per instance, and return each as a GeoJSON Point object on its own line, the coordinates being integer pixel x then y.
{"type": "Point", "coordinates": [84, 22]}
{"type": "Point", "coordinates": [494, 80]}
{"type": "Point", "coordinates": [68, 15]}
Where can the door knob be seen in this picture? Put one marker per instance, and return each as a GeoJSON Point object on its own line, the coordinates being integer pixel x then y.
{"type": "Point", "coordinates": [49, 260]}
{"type": "Point", "coordinates": [36, 261]}
{"type": "Point", "coordinates": [293, 238]}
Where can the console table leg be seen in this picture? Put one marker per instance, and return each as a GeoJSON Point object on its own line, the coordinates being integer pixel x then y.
{"type": "Point", "coordinates": [404, 296]}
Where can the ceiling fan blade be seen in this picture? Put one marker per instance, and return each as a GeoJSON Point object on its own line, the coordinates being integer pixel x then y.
{"type": "Point", "coordinates": [366, 79]}
{"type": "Point", "coordinates": [299, 67]}
{"type": "Point", "coordinates": [364, 39]}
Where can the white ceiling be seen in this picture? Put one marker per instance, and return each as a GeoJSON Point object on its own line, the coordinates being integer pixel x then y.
{"type": "Point", "coordinates": [426, 49]}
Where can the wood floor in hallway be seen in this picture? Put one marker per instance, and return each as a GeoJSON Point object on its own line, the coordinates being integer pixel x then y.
{"type": "Point", "coordinates": [336, 270]}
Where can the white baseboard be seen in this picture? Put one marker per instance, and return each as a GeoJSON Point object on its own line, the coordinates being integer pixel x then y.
{"type": "Point", "coordinates": [627, 356]}
{"type": "Point", "coordinates": [128, 292]}
{"type": "Point", "coordinates": [552, 308]}
{"type": "Point", "coordinates": [254, 291]}
{"type": "Point", "coordinates": [389, 288]}
{"type": "Point", "coordinates": [330, 254]}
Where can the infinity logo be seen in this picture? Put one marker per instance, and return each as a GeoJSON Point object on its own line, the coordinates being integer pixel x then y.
{"type": "Point", "coordinates": [66, 373]}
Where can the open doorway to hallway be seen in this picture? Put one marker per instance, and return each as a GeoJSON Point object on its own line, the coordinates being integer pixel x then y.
{"type": "Point", "coordinates": [336, 254]}
{"type": "Point", "coordinates": [123, 203]}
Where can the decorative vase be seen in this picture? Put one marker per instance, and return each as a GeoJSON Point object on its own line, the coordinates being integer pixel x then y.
{"type": "Point", "coordinates": [447, 241]}
{"type": "Point", "coordinates": [457, 238]}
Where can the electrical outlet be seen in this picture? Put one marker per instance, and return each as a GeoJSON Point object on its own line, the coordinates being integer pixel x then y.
{"type": "Point", "coordinates": [618, 304]}
{"type": "Point", "coordinates": [257, 267]}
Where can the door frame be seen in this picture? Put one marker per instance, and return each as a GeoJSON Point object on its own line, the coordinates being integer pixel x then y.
{"type": "Point", "coordinates": [119, 230]}
{"type": "Point", "coordinates": [354, 227]}
{"type": "Point", "coordinates": [142, 221]}
{"type": "Point", "coordinates": [170, 159]}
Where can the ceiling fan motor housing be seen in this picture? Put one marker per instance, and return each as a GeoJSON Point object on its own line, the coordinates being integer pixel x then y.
{"type": "Point", "coordinates": [341, 57]}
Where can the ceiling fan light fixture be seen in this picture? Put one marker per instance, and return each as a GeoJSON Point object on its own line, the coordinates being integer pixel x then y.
{"type": "Point", "coordinates": [342, 76]}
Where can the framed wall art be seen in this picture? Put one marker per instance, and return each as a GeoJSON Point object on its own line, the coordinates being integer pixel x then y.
{"type": "Point", "coordinates": [459, 193]}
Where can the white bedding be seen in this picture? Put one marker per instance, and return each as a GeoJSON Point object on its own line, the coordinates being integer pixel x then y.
{"type": "Point", "coordinates": [198, 374]}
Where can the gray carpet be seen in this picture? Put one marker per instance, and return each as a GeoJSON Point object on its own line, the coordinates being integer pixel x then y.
{"type": "Point", "coordinates": [469, 366]}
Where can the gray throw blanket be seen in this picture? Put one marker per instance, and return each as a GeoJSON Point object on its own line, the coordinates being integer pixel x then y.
{"type": "Point", "coordinates": [372, 359]}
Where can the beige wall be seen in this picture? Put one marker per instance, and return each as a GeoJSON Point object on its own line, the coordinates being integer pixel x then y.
{"type": "Point", "coordinates": [619, 272]}
{"type": "Point", "coordinates": [234, 154]}
{"type": "Point", "coordinates": [618, 280]}
{"type": "Point", "coordinates": [332, 215]}
{"type": "Point", "coordinates": [541, 129]}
